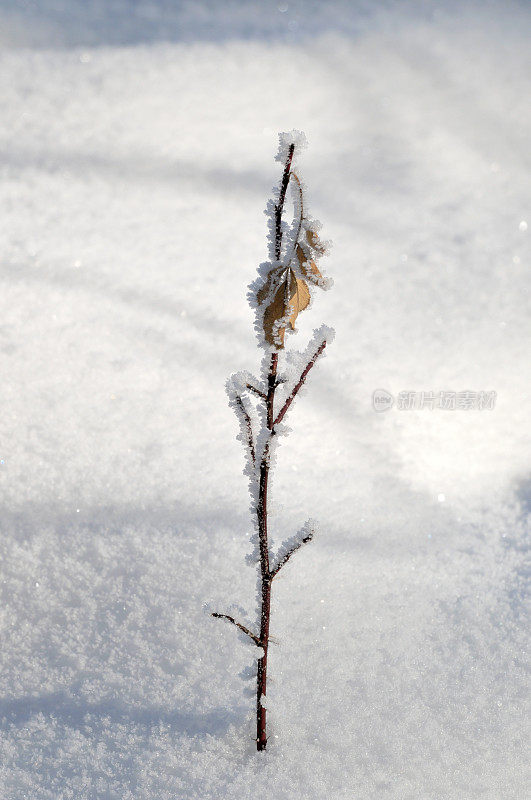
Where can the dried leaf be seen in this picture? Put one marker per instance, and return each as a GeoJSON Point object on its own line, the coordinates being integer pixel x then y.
{"type": "Point", "coordinates": [291, 297]}
{"type": "Point", "coordinates": [299, 300]}
{"type": "Point", "coordinates": [264, 290]}
{"type": "Point", "coordinates": [308, 266]}
{"type": "Point", "coordinates": [314, 241]}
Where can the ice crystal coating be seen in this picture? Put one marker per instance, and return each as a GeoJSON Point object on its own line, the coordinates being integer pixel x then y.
{"type": "Point", "coordinates": [284, 286]}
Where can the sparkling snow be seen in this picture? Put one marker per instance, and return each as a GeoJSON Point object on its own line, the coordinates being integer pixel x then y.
{"type": "Point", "coordinates": [138, 144]}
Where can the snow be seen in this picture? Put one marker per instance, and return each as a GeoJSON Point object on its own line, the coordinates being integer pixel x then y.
{"type": "Point", "coordinates": [138, 144]}
{"type": "Point", "coordinates": [285, 140]}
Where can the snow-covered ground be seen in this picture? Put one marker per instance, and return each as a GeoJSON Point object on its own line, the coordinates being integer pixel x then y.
{"type": "Point", "coordinates": [137, 145]}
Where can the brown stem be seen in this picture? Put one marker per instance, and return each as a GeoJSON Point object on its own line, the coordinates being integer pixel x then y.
{"type": "Point", "coordinates": [255, 390]}
{"type": "Point", "coordinates": [286, 558]}
{"type": "Point", "coordinates": [280, 205]}
{"type": "Point", "coordinates": [301, 217]}
{"type": "Point", "coordinates": [245, 630]}
{"type": "Point", "coordinates": [298, 385]}
{"type": "Point", "coordinates": [265, 611]}
{"type": "Point", "coordinates": [261, 509]}
{"type": "Point", "coordinates": [248, 428]}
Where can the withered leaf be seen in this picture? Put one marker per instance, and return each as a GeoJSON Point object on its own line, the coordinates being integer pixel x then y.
{"type": "Point", "coordinates": [264, 290]}
{"type": "Point", "coordinates": [308, 266]}
{"type": "Point", "coordinates": [291, 297]}
{"type": "Point", "coordinates": [299, 301]}
{"type": "Point", "coordinates": [314, 241]}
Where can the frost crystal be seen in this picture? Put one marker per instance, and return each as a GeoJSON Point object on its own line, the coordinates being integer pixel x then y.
{"type": "Point", "coordinates": [285, 140]}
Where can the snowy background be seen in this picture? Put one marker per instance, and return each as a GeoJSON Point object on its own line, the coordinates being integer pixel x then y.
{"type": "Point", "coordinates": [137, 144]}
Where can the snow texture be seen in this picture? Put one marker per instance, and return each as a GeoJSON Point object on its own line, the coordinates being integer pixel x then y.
{"type": "Point", "coordinates": [138, 143]}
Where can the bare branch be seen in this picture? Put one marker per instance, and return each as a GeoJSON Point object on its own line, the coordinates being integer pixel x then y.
{"type": "Point", "coordinates": [285, 558]}
{"type": "Point", "coordinates": [301, 197]}
{"type": "Point", "coordinates": [259, 440]}
{"type": "Point", "coordinates": [301, 217]}
{"type": "Point", "coordinates": [298, 385]}
{"type": "Point", "coordinates": [280, 205]}
{"type": "Point", "coordinates": [248, 426]}
{"type": "Point", "coordinates": [243, 629]}
{"type": "Point", "coordinates": [256, 391]}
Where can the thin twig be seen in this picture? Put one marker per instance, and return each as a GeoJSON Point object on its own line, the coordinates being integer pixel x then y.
{"type": "Point", "coordinates": [284, 559]}
{"type": "Point", "coordinates": [294, 175]}
{"type": "Point", "coordinates": [280, 205]}
{"type": "Point", "coordinates": [250, 440]}
{"type": "Point", "coordinates": [255, 639]}
{"type": "Point", "coordinates": [301, 217]}
{"type": "Point", "coordinates": [261, 457]}
{"type": "Point", "coordinates": [298, 385]}
{"type": "Point", "coordinates": [261, 509]}
{"type": "Point", "coordinates": [265, 577]}
{"type": "Point", "coordinates": [256, 391]}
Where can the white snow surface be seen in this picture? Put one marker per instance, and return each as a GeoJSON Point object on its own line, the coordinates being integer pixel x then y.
{"type": "Point", "coordinates": [138, 144]}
